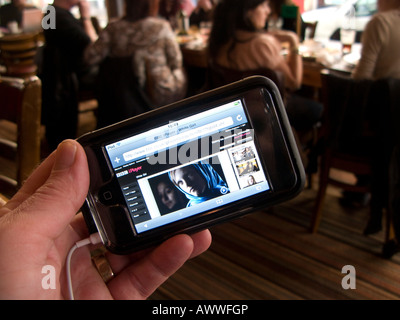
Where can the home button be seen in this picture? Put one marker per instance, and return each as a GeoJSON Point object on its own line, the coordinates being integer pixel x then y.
{"type": "Point", "coordinates": [107, 195]}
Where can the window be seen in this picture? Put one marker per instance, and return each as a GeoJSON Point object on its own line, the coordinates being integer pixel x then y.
{"type": "Point", "coordinates": [365, 8]}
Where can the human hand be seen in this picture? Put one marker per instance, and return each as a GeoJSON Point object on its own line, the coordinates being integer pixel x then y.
{"type": "Point", "coordinates": [39, 225]}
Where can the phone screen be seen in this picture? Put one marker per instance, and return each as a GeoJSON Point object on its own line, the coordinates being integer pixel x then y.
{"type": "Point", "coordinates": [188, 166]}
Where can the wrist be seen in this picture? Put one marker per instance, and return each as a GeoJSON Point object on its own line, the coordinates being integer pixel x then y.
{"type": "Point", "coordinates": [85, 18]}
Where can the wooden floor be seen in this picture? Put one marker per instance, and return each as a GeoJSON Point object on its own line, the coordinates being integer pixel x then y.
{"type": "Point", "coordinates": [271, 255]}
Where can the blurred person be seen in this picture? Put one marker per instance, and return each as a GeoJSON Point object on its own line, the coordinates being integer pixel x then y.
{"type": "Point", "coordinates": [276, 21]}
{"type": "Point", "coordinates": [380, 55]}
{"type": "Point", "coordinates": [202, 12]}
{"type": "Point", "coordinates": [13, 12]}
{"type": "Point", "coordinates": [380, 59]}
{"type": "Point", "coordinates": [187, 6]}
{"type": "Point", "coordinates": [151, 43]}
{"type": "Point", "coordinates": [238, 41]}
{"type": "Point", "coordinates": [63, 71]}
{"type": "Point", "coordinates": [40, 224]}
{"type": "Point", "coordinates": [169, 9]}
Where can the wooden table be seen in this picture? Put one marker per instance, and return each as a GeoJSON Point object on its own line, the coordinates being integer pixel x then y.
{"type": "Point", "coordinates": [312, 67]}
{"type": "Point", "coordinates": [311, 73]}
{"type": "Point", "coordinates": [195, 57]}
{"type": "Point", "coordinates": [312, 70]}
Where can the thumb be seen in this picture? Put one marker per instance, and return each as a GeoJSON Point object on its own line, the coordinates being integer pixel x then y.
{"type": "Point", "coordinates": [54, 202]}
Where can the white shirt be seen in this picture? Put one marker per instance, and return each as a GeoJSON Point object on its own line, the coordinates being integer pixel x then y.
{"type": "Point", "coordinates": [380, 56]}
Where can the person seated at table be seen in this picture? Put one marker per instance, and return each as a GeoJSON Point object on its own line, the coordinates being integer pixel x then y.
{"type": "Point", "coordinates": [380, 59]}
{"type": "Point", "coordinates": [238, 41]}
{"type": "Point", "coordinates": [187, 6]}
{"type": "Point", "coordinates": [169, 9]}
{"type": "Point", "coordinates": [63, 72]}
{"type": "Point", "coordinates": [202, 12]}
{"type": "Point", "coordinates": [150, 41]}
{"type": "Point", "coordinates": [380, 56]}
{"type": "Point", "coordinates": [13, 12]}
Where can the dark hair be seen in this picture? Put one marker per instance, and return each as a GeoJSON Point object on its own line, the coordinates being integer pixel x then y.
{"type": "Point", "coordinates": [169, 8]}
{"type": "Point", "coordinates": [276, 6]}
{"type": "Point", "coordinates": [136, 9]}
{"type": "Point", "coordinates": [229, 16]}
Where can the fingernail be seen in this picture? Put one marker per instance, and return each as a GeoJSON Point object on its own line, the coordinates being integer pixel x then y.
{"type": "Point", "coordinates": [65, 155]}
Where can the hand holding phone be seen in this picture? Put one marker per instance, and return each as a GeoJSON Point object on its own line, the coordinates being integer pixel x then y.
{"type": "Point", "coordinates": [192, 164]}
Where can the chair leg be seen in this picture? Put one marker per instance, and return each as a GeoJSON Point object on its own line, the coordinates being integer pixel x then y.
{"type": "Point", "coordinates": [389, 232]}
{"type": "Point", "coordinates": [323, 183]}
{"type": "Point", "coordinates": [316, 215]}
{"type": "Point", "coordinates": [309, 180]}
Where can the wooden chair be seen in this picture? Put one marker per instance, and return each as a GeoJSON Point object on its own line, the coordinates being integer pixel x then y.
{"type": "Point", "coordinates": [312, 27]}
{"type": "Point", "coordinates": [390, 157]}
{"type": "Point", "coordinates": [219, 76]}
{"type": "Point", "coordinates": [17, 54]}
{"type": "Point", "coordinates": [351, 137]}
{"type": "Point", "coordinates": [20, 104]}
{"type": "Point", "coordinates": [118, 92]}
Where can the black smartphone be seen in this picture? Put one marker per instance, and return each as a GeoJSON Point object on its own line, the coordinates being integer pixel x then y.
{"type": "Point", "coordinates": [190, 165]}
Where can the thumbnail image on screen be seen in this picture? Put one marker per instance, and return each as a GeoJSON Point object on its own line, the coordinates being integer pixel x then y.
{"type": "Point", "coordinates": [188, 185]}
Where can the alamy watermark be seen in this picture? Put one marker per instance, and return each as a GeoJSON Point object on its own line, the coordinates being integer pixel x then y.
{"type": "Point", "coordinates": [49, 280]}
{"type": "Point", "coordinates": [349, 280]}
{"type": "Point", "coordinates": [49, 17]}
{"type": "Point", "coordinates": [169, 150]}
